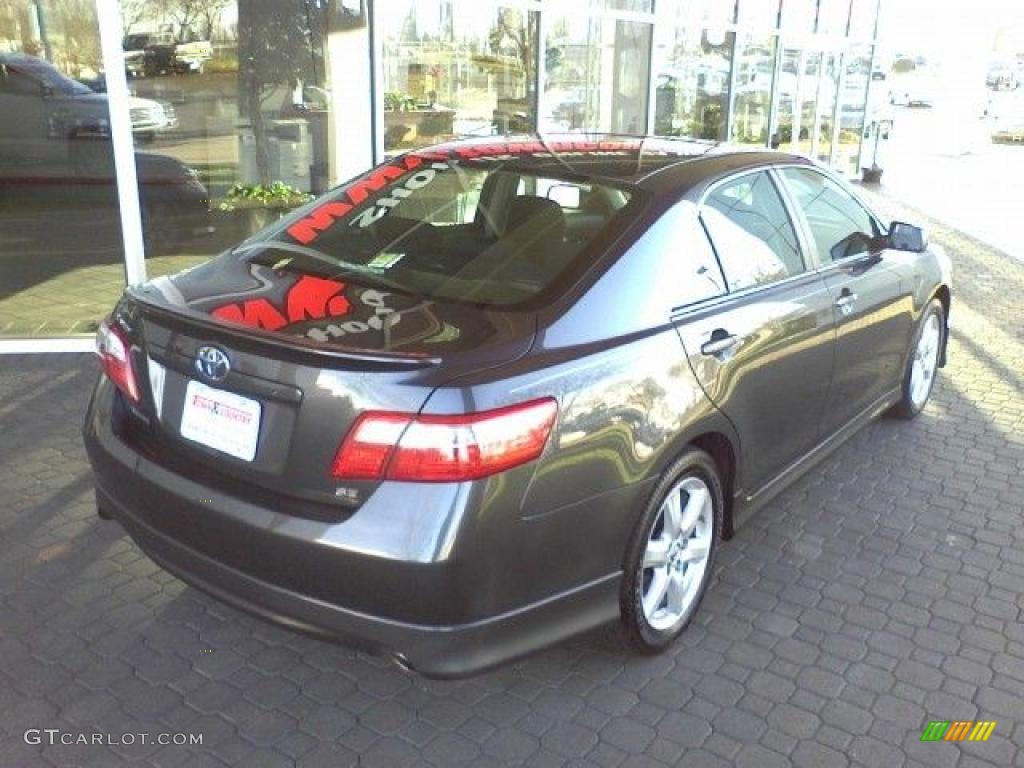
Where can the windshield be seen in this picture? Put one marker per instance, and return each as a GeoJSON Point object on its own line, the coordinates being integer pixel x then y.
{"type": "Point", "coordinates": [488, 230]}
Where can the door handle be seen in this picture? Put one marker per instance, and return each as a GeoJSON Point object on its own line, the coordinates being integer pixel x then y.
{"type": "Point", "coordinates": [720, 342]}
{"type": "Point", "coordinates": [846, 301]}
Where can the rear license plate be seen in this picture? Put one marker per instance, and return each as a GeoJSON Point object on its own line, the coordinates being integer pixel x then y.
{"type": "Point", "coordinates": [221, 420]}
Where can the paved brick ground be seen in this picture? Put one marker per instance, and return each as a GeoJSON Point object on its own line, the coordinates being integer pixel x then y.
{"type": "Point", "coordinates": [882, 591]}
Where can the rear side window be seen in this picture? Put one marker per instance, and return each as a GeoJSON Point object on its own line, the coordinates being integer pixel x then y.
{"type": "Point", "coordinates": [696, 276]}
{"type": "Point", "coordinates": [752, 234]}
{"type": "Point", "coordinates": [841, 226]}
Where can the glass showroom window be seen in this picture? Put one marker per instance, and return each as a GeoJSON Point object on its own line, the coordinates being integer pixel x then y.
{"type": "Point", "coordinates": [758, 14]}
{"type": "Point", "coordinates": [796, 99]}
{"type": "Point", "coordinates": [833, 16]}
{"type": "Point", "coordinates": [232, 102]}
{"type": "Point", "coordinates": [852, 108]}
{"type": "Point", "coordinates": [752, 88]}
{"type": "Point", "coordinates": [456, 67]}
{"type": "Point", "coordinates": [693, 62]}
{"type": "Point", "coordinates": [597, 71]}
{"type": "Point", "coordinates": [798, 16]}
{"type": "Point", "coordinates": [61, 259]}
{"type": "Point", "coordinates": [862, 19]}
{"type": "Point", "coordinates": [828, 92]}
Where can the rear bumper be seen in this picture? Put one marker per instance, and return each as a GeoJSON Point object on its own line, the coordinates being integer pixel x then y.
{"type": "Point", "coordinates": [279, 568]}
{"type": "Point", "coordinates": [435, 651]}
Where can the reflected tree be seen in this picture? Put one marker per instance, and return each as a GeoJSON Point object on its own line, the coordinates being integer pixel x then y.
{"type": "Point", "coordinates": [280, 44]}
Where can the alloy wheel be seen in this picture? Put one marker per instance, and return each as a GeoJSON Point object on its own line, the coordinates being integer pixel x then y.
{"type": "Point", "coordinates": [677, 552]}
{"type": "Point", "coordinates": [926, 359]}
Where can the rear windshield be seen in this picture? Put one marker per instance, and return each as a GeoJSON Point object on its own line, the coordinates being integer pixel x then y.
{"type": "Point", "coordinates": [486, 230]}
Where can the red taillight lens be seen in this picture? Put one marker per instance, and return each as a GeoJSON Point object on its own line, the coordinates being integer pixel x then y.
{"type": "Point", "coordinates": [365, 450]}
{"type": "Point", "coordinates": [112, 348]}
{"type": "Point", "coordinates": [453, 448]}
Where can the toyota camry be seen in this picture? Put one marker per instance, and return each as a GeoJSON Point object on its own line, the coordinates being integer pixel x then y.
{"type": "Point", "coordinates": [497, 392]}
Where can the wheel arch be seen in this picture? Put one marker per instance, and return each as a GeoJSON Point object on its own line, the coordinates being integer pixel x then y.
{"type": "Point", "coordinates": [721, 450]}
{"type": "Point", "coordinates": [943, 295]}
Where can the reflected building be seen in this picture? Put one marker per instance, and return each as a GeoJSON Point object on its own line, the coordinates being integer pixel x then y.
{"type": "Point", "coordinates": [252, 107]}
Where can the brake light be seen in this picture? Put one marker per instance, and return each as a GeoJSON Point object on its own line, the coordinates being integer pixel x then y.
{"type": "Point", "coordinates": [430, 448]}
{"type": "Point", "coordinates": [112, 348]}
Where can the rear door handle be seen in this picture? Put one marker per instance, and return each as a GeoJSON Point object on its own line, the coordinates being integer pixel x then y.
{"type": "Point", "coordinates": [720, 342]}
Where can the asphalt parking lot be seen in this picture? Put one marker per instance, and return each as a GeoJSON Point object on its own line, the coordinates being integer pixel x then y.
{"type": "Point", "coordinates": [882, 591]}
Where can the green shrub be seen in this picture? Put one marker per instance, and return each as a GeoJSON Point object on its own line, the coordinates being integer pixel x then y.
{"type": "Point", "coordinates": [275, 195]}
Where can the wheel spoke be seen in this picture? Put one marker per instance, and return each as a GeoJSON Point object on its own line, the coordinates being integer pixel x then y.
{"type": "Point", "coordinates": [673, 514]}
{"type": "Point", "coordinates": [678, 586]}
{"type": "Point", "coordinates": [656, 592]}
{"type": "Point", "coordinates": [656, 554]}
{"type": "Point", "coordinates": [691, 514]}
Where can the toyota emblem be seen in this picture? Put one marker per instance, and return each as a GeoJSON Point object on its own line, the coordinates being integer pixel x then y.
{"type": "Point", "coordinates": [212, 363]}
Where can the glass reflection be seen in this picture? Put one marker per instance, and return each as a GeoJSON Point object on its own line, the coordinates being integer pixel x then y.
{"type": "Point", "coordinates": [597, 71]}
{"type": "Point", "coordinates": [852, 110]}
{"type": "Point", "coordinates": [828, 90]}
{"type": "Point", "coordinates": [692, 80]}
{"type": "Point", "coordinates": [755, 65]}
{"type": "Point", "coordinates": [61, 262]}
{"type": "Point", "coordinates": [456, 67]}
{"type": "Point", "coordinates": [233, 101]}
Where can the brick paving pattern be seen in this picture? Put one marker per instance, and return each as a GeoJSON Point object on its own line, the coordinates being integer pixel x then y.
{"type": "Point", "coordinates": [882, 591]}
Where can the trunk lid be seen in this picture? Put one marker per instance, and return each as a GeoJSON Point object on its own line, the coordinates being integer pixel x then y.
{"type": "Point", "coordinates": [308, 355]}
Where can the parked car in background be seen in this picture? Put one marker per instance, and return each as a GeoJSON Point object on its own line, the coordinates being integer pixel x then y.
{"type": "Point", "coordinates": [174, 201]}
{"type": "Point", "coordinates": [149, 54]}
{"type": "Point", "coordinates": [1007, 118]}
{"type": "Point", "coordinates": [44, 110]}
{"type": "Point", "coordinates": [1003, 76]}
{"type": "Point", "coordinates": [495, 393]}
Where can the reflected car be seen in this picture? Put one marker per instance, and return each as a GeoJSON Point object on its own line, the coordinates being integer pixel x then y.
{"type": "Point", "coordinates": [44, 110]}
{"type": "Point", "coordinates": [495, 393]}
{"type": "Point", "coordinates": [174, 202]}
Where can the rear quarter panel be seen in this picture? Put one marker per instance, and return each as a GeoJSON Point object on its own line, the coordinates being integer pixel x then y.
{"type": "Point", "coordinates": [628, 405]}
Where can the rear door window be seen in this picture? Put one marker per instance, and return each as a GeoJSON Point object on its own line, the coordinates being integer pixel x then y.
{"type": "Point", "coordinates": [751, 232]}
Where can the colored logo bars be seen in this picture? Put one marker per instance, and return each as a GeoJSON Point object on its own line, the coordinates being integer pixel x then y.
{"type": "Point", "coordinates": [958, 730]}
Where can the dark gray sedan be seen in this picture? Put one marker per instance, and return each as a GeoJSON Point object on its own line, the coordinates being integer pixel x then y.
{"type": "Point", "coordinates": [495, 393]}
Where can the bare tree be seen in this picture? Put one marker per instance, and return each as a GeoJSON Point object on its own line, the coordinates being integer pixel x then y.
{"type": "Point", "coordinates": [133, 12]}
{"type": "Point", "coordinates": [517, 27]}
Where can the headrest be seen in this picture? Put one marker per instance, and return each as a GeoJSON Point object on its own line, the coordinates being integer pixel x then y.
{"type": "Point", "coordinates": [541, 214]}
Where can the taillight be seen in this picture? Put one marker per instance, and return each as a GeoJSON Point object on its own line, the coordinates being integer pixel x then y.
{"type": "Point", "coordinates": [430, 448]}
{"type": "Point", "coordinates": [112, 348]}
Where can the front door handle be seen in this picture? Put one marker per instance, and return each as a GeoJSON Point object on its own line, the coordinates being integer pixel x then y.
{"type": "Point", "coordinates": [720, 342]}
{"type": "Point", "coordinates": [846, 301]}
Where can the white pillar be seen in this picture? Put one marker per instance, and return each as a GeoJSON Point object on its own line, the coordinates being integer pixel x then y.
{"type": "Point", "coordinates": [108, 14]}
{"type": "Point", "coordinates": [350, 123]}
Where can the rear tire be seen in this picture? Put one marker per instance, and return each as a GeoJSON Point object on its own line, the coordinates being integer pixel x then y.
{"type": "Point", "coordinates": [671, 553]}
{"type": "Point", "coordinates": [922, 361]}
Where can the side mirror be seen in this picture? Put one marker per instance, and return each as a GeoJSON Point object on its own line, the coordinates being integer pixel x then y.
{"type": "Point", "coordinates": [907, 237]}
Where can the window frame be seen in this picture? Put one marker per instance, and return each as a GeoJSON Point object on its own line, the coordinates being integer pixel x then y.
{"type": "Point", "coordinates": [810, 265]}
{"type": "Point", "coordinates": [806, 235]}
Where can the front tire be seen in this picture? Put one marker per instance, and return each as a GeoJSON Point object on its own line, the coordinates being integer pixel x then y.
{"type": "Point", "coordinates": [671, 553]}
{"type": "Point", "coordinates": [922, 361]}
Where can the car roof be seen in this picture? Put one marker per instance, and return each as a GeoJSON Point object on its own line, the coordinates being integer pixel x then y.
{"type": "Point", "coordinates": [659, 164]}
